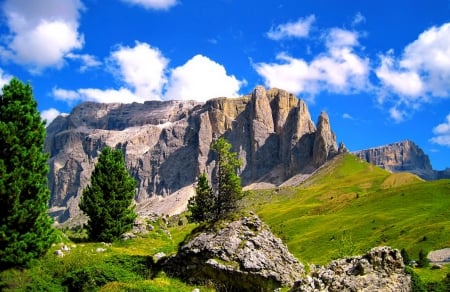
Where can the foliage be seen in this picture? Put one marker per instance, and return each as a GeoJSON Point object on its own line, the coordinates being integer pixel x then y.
{"type": "Point", "coordinates": [25, 228]}
{"type": "Point", "coordinates": [201, 206]}
{"type": "Point", "coordinates": [416, 283]}
{"type": "Point", "coordinates": [405, 256]}
{"type": "Point", "coordinates": [124, 266]}
{"type": "Point", "coordinates": [228, 183]}
{"type": "Point", "coordinates": [107, 200]}
{"type": "Point", "coordinates": [423, 261]}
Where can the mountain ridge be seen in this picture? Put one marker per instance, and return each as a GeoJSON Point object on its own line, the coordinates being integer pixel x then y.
{"type": "Point", "coordinates": [166, 143]}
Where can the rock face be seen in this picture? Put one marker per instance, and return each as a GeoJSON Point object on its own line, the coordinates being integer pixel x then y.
{"type": "Point", "coordinates": [381, 269]}
{"type": "Point", "coordinates": [402, 156]}
{"type": "Point", "coordinates": [242, 256]}
{"type": "Point", "coordinates": [166, 144]}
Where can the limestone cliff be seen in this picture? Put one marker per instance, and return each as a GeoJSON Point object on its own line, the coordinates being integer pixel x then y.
{"type": "Point", "coordinates": [166, 143]}
{"type": "Point", "coordinates": [402, 156]}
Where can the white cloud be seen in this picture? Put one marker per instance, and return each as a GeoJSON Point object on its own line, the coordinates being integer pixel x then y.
{"type": "Point", "coordinates": [442, 133]}
{"type": "Point", "coordinates": [347, 116]}
{"type": "Point", "coordinates": [421, 74]}
{"type": "Point", "coordinates": [338, 70]}
{"type": "Point", "coordinates": [42, 32]}
{"type": "Point", "coordinates": [50, 114]}
{"type": "Point", "coordinates": [143, 73]}
{"type": "Point", "coordinates": [153, 4]}
{"type": "Point", "coordinates": [142, 68]}
{"type": "Point", "coordinates": [200, 79]}
{"type": "Point", "coordinates": [359, 18]}
{"type": "Point", "coordinates": [87, 61]}
{"type": "Point", "coordinates": [4, 78]}
{"type": "Point", "coordinates": [298, 29]}
{"type": "Point", "coordinates": [396, 114]}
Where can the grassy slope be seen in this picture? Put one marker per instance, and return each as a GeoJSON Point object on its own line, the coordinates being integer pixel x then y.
{"type": "Point", "coordinates": [350, 206]}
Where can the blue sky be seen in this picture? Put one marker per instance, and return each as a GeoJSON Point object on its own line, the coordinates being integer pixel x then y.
{"type": "Point", "coordinates": [381, 69]}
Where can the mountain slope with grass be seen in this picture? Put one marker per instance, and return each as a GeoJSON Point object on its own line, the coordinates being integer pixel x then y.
{"type": "Point", "coordinates": [349, 206]}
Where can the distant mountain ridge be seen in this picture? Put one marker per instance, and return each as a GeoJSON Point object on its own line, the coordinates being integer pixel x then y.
{"type": "Point", "coordinates": [403, 156]}
{"type": "Point", "coordinates": [167, 143]}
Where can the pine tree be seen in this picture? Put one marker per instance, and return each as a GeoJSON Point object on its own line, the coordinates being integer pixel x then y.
{"type": "Point", "coordinates": [228, 183]}
{"type": "Point", "coordinates": [107, 201]}
{"type": "Point", "coordinates": [202, 205]}
{"type": "Point", "coordinates": [25, 228]}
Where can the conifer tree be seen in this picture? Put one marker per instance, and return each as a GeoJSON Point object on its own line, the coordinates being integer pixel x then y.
{"type": "Point", "coordinates": [228, 183]}
{"type": "Point", "coordinates": [202, 205]}
{"type": "Point", "coordinates": [107, 201]}
{"type": "Point", "coordinates": [25, 228]}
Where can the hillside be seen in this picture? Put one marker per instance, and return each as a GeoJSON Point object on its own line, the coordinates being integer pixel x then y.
{"type": "Point", "coordinates": [349, 206]}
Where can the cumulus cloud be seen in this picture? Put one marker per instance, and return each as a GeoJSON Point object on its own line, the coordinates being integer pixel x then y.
{"type": "Point", "coordinates": [421, 73]}
{"type": "Point", "coordinates": [339, 69]}
{"type": "Point", "coordinates": [347, 116]}
{"type": "Point", "coordinates": [200, 79]}
{"type": "Point", "coordinates": [297, 29]}
{"type": "Point", "coordinates": [144, 75]}
{"type": "Point", "coordinates": [359, 18]}
{"type": "Point", "coordinates": [50, 114]}
{"type": "Point", "coordinates": [442, 133]}
{"type": "Point", "coordinates": [153, 4]}
{"type": "Point", "coordinates": [142, 68]}
{"type": "Point", "coordinates": [42, 32]}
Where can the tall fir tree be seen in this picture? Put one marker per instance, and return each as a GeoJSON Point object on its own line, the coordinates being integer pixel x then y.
{"type": "Point", "coordinates": [107, 201]}
{"type": "Point", "coordinates": [228, 183]}
{"type": "Point", "coordinates": [26, 230]}
{"type": "Point", "coordinates": [202, 205]}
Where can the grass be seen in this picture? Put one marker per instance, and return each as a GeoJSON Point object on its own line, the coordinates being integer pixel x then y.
{"type": "Point", "coordinates": [124, 266]}
{"type": "Point", "coordinates": [350, 206]}
{"type": "Point", "coordinates": [345, 208]}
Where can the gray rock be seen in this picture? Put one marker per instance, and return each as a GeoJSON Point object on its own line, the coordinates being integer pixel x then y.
{"type": "Point", "coordinates": [402, 156]}
{"type": "Point", "coordinates": [167, 144]}
{"type": "Point", "coordinates": [243, 255]}
{"type": "Point", "coordinates": [59, 253]}
{"type": "Point", "coordinates": [381, 269]}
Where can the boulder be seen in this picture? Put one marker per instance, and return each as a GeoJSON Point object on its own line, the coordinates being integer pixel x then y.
{"type": "Point", "coordinates": [381, 269]}
{"type": "Point", "coordinates": [242, 255]}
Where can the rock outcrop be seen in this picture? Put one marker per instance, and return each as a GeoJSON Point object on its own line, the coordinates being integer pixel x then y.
{"type": "Point", "coordinates": [402, 156]}
{"type": "Point", "coordinates": [241, 256]}
{"type": "Point", "coordinates": [166, 143]}
{"type": "Point", "coordinates": [381, 269]}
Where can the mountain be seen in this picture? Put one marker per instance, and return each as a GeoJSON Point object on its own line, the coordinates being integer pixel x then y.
{"type": "Point", "coordinates": [404, 156]}
{"type": "Point", "coordinates": [167, 144]}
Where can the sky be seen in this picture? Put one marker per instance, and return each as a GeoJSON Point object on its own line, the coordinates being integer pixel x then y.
{"type": "Point", "coordinates": [380, 69]}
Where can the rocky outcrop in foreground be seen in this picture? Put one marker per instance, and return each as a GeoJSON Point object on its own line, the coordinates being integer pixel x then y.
{"type": "Point", "coordinates": [241, 256]}
{"type": "Point", "coordinates": [381, 269]}
{"type": "Point", "coordinates": [402, 156]}
{"type": "Point", "coordinates": [167, 144]}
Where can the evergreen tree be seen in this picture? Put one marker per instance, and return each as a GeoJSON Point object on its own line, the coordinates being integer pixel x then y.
{"type": "Point", "coordinates": [107, 200]}
{"type": "Point", "coordinates": [405, 256]}
{"type": "Point", "coordinates": [203, 203]}
{"type": "Point", "coordinates": [25, 228]}
{"type": "Point", "coordinates": [423, 262]}
{"type": "Point", "coordinates": [228, 183]}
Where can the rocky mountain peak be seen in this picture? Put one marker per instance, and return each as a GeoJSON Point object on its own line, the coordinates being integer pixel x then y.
{"type": "Point", "coordinates": [166, 143]}
{"type": "Point", "coordinates": [400, 156]}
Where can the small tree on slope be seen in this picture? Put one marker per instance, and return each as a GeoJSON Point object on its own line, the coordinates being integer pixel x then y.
{"type": "Point", "coordinates": [215, 203]}
{"type": "Point", "coordinates": [25, 228]}
{"type": "Point", "coordinates": [107, 200]}
{"type": "Point", "coordinates": [203, 203]}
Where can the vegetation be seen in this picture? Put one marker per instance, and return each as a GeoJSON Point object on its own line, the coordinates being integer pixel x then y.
{"type": "Point", "coordinates": [25, 228]}
{"type": "Point", "coordinates": [107, 200]}
{"type": "Point", "coordinates": [209, 203]}
{"type": "Point", "coordinates": [345, 206]}
{"type": "Point", "coordinates": [124, 266]}
{"type": "Point", "coordinates": [202, 205]}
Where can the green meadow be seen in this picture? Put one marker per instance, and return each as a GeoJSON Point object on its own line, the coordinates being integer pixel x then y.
{"type": "Point", "coordinates": [345, 208]}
